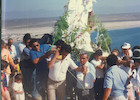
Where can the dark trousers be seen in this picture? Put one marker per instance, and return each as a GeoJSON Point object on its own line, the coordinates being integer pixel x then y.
{"type": "Point", "coordinates": [90, 96]}
{"type": "Point", "coordinates": [41, 82]}
{"type": "Point", "coordinates": [27, 69]}
{"type": "Point", "coordinates": [99, 90]}
{"type": "Point", "coordinates": [70, 86]}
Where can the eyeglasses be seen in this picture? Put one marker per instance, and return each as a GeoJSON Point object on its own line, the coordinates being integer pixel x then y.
{"type": "Point", "coordinates": [36, 46]}
{"type": "Point", "coordinates": [125, 49]}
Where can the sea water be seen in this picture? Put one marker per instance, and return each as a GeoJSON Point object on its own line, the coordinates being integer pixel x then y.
{"type": "Point", "coordinates": [119, 36]}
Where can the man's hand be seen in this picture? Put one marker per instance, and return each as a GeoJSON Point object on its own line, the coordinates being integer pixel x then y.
{"type": "Point", "coordinates": [51, 63]}
{"type": "Point", "coordinates": [57, 52]}
{"type": "Point", "coordinates": [103, 61]}
{"type": "Point", "coordinates": [15, 67]}
{"type": "Point", "coordinates": [47, 54]}
{"type": "Point", "coordinates": [128, 81]}
{"type": "Point", "coordinates": [84, 69]}
{"type": "Point", "coordinates": [134, 67]}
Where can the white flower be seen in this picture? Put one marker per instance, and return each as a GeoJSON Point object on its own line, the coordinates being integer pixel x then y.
{"type": "Point", "coordinates": [72, 44]}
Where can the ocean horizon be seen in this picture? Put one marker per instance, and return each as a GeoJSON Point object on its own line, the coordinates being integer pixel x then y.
{"type": "Point", "coordinates": [31, 22]}
{"type": "Point", "coordinates": [42, 25]}
{"type": "Point", "coordinates": [120, 36]}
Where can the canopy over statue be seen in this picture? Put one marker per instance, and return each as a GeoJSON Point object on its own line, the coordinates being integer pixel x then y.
{"type": "Point", "coordinates": [78, 14]}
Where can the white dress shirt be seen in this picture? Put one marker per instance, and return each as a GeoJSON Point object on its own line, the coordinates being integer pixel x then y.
{"type": "Point", "coordinates": [86, 81]}
{"type": "Point", "coordinates": [59, 69]}
{"type": "Point", "coordinates": [13, 53]}
{"type": "Point", "coordinates": [99, 72]}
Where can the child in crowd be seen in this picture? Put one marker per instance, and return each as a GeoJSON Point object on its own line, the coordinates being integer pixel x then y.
{"type": "Point", "coordinates": [16, 61]}
{"type": "Point", "coordinates": [4, 88]}
{"type": "Point", "coordinates": [18, 88]}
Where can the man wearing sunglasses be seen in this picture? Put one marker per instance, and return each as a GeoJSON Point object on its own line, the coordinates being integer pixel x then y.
{"type": "Point", "coordinates": [38, 55]}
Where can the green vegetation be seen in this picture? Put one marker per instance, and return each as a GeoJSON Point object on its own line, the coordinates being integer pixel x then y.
{"type": "Point", "coordinates": [61, 27]}
{"type": "Point", "coordinates": [103, 40]}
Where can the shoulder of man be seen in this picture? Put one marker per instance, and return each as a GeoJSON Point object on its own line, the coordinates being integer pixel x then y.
{"type": "Point", "coordinates": [46, 46]}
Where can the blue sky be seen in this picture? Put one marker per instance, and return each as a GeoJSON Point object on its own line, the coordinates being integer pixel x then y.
{"type": "Point", "coordinates": [54, 8]}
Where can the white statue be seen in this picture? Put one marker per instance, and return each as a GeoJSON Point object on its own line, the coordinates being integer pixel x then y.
{"type": "Point", "coordinates": [78, 11]}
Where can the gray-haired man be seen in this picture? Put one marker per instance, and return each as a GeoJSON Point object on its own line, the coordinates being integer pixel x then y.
{"type": "Point", "coordinates": [85, 80]}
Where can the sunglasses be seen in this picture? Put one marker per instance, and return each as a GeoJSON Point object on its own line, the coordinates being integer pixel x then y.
{"type": "Point", "coordinates": [36, 46]}
{"type": "Point", "coordinates": [125, 49]}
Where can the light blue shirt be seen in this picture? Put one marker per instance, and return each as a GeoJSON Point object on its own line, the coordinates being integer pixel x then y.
{"type": "Point", "coordinates": [26, 53]}
{"type": "Point", "coordinates": [116, 79]}
{"type": "Point", "coordinates": [88, 78]}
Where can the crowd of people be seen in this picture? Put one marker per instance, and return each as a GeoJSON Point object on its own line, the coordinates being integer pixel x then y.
{"type": "Point", "coordinates": [47, 71]}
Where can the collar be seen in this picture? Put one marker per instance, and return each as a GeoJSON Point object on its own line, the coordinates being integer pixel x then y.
{"type": "Point", "coordinates": [114, 66]}
{"type": "Point", "coordinates": [67, 57]}
{"type": "Point", "coordinates": [87, 63]}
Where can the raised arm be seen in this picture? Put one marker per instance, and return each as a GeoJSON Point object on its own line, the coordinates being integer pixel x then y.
{"type": "Point", "coordinates": [46, 55]}
{"type": "Point", "coordinates": [51, 63]}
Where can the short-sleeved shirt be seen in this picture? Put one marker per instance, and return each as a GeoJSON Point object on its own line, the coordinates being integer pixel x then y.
{"type": "Point", "coordinates": [5, 55]}
{"type": "Point", "coordinates": [116, 79]}
{"type": "Point", "coordinates": [59, 69]}
{"type": "Point", "coordinates": [86, 81]}
{"type": "Point", "coordinates": [36, 54]}
{"type": "Point", "coordinates": [99, 72]}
